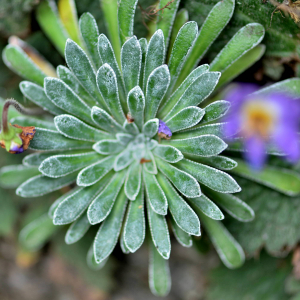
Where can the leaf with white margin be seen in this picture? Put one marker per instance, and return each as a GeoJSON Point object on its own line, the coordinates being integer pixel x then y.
{"type": "Point", "coordinates": [108, 147]}
{"type": "Point", "coordinates": [168, 153]}
{"type": "Point", "coordinates": [215, 110]}
{"type": "Point", "coordinates": [183, 181]}
{"type": "Point", "coordinates": [150, 164]}
{"type": "Point", "coordinates": [107, 236]}
{"type": "Point", "coordinates": [123, 160]}
{"type": "Point", "coordinates": [77, 230]}
{"type": "Point", "coordinates": [131, 128]}
{"type": "Point", "coordinates": [91, 261]}
{"type": "Point", "coordinates": [214, 179]}
{"type": "Point", "coordinates": [93, 173]}
{"type": "Point", "coordinates": [181, 236]}
{"type": "Point", "coordinates": [133, 180]}
{"type": "Point", "coordinates": [123, 246]}
{"type": "Point", "coordinates": [182, 213]}
{"type": "Point", "coordinates": [136, 105]}
{"type": "Point", "coordinates": [124, 138]}
{"type": "Point", "coordinates": [143, 45]}
{"type": "Point", "coordinates": [150, 128]}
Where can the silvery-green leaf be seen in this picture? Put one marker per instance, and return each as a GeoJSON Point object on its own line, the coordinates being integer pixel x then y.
{"type": "Point", "coordinates": [150, 165]}
{"type": "Point", "coordinates": [30, 121]}
{"type": "Point", "coordinates": [183, 181]}
{"type": "Point", "coordinates": [159, 273]}
{"type": "Point", "coordinates": [133, 180]}
{"type": "Point", "coordinates": [93, 173]}
{"type": "Point", "coordinates": [103, 203]}
{"type": "Point", "coordinates": [107, 147]}
{"type": "Point", "coordinates": [105, 121]}
{"type": "Point", "coordinates": [12, 176]}
{"type": "Point", "coordinates": [131, 128]}
{"type": "Point", "coordinates": [159, 232]}
{"type": "Point", "coordinates": [174, 98]}
{"type": "Point", "coordinates": [135, 225]}
{"type": "Point", "coordinates": [233, 205]}
{"type": "Point", "coordinates": [215, 110]}
{"type": "Point", "coordinates": [154, 56]}
{"type": "Point", "coordinates": [230, 252]}
{"type": "Point", "coordinates": [123, 160]}
{"type": "Point", "coordinates": [181, 236]}
{"type": "Point", "coordinates": [41, 185]}
{"type": "Point", "coordinates": [48, 140]}
{"type": "Point", "coordinates": [186, 118]}
{"type": "Point", "coordinates": [61, 165]}
{"type": "Point", "coordinates": [197, 92]}
{"type": "Point", "coordinates": [71, 208]}
{"type": "Point", "coordinates": [91, 261]}
{"type": "Point", "coordinates": [131, 59]}
{"type": "Point", "coordinates": [143, 45]}
{"type": "Point", "coordinates": [107, 236]}
{"type": "Point", "coordinates": [156, 196]}
{"type": "Point", "coordinates": [63, 97]}
{"type": "Point", "coordinates": [81, 66]}
{"type": "Point", "coordinates": [168, 153]}
{"type": "Point", "coordinates": [37, 95]}
{"type": "Point", "coordinates": [77, 230]}
{"type": "Point", "coordinates": [203, 145]}
{"type": "Point", "coordinates": [151, 144]}
{"type": "Point", "coordinates": [150, 128]}
{"type": "Point", "coordinates": [74, 128]}
{"type": "Point", "coordinates": [69, 78]}
{"type": "Point", "coordinates": [136, 105]}
{"type": "Point", "coordinates": [124, 138]}
{"type": "Point", "coordinates": [123, 246]}
{"type": "Point", "coordinates": [207, 206]}
{"type": "Point", "coordinates": [156, 88]}
{"type": "Point", "coordinates": [219, 162]}
{"type": "Point", "coordinates": [107, 85]}
{"type": "Point", "coordinates": [90, 32]}
{"type": "Point", "coordinates": [183, 43]}
{"type": "Point", "coordinates": [182, 213]}
{"type": "Point", "coordinates": [214, 179]}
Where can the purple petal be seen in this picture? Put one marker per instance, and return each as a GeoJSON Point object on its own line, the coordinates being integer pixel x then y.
{"type": "Point", "coordinates": [163, 128]}
{"type": "Point", "coordinates": [255, 153]}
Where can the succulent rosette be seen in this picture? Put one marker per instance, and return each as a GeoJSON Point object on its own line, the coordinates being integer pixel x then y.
{"type": "Point", "coordinates": [135, 135]}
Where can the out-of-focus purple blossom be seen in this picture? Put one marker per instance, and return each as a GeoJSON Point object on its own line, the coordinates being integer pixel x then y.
{"type": "Point", "coordinates": [261, 120]}
{"type": "Point", "coordinates": [163, 130]}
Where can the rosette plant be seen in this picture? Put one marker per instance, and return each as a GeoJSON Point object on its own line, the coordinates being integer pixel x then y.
{"type": "Point", "coordinates": [134, 133]}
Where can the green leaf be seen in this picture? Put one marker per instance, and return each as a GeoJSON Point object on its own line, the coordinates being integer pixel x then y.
{"type": "Point", "coordinates": [150, 128]}
{"type": "Point", "coordinates": [55, 204]}
{"type": "Point", "coordinates": [183, 181]}
{"type": "Point", "coordinates": [107, 147]}
{"type": "Point", "coordinates": [156, 88]}
{"type": "Point", "coordinates": [229, 250]}
{"type": "Point", "coordinates": [168, 153]}
{"type": "Point", "coordinates": [135, 225]}
{"type": "Point", "coordinates": [62, 165]}
{"type": "Point", "coordinates": [279, 179]}
{"type": "Point", "coordinates": [244, 40]}
{"type": "Point", "coordinates": [159, 232]}
{"type": "Point", "coordinates": [182, 213]}
{"type": "Point", "coordinates": [131, 128]}
{"type": "Point", "coordinates": [214, 23]}
{"type": "Point", "coordinates": [159, 273]}
{"type": "Point", "coordinates": [91, 261]}
{"type": "Point", "coordinates": [215, 111]}
{"type": "Point", "coordinates": [123, 160]}
{"type": "Point", "coordinates": [181, 236]}
{"type": "Point", "coordinates": [37, 95]}
{"type": "Point", "coordinates": [155, 195]}
{"type": "Point", "coordinates": [47, 140]}
{"type": "Point", "coordinates": [93, 173]}
{"type": "Point", "coordinates": [218, 162]}
{"type": "Point", "coordinates": [123, 246]}
{"type": "Point", "coordinates": [203, 145]}
{"type": "Point", "coordinates": [107, 85]}
{"type": "Point", "coordinates": [186, 118]}
{"type": "Point", "coordinates": [144, 46]}
{"type": "Point", "coordinates": [41, 185]}
{"type": "Point", "coordinates": [90, 32]}
{"type": "Point", "coordinates": [136, 105]}
{"type": "Point", "coordinates": [214, 179]}
{"type": "Point", "coordinates": [12, 176]}
{"type": "Point", "coordinates": [133, 180]}
{"type": "Point", "coordinates": [150, 166]}
{"type": "Point", "coordinates": [107, 236]}
{"type": "Point", "coordinates": [63, 97]}
{"type": "Point", "coordinates": [31, 121]}
{"type": "Point", "coordinates": [102, 205]}
{"type": "Point", "coordinates": [77, 230]}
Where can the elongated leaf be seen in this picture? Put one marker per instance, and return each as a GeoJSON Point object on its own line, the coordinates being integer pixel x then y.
{"type": "Point", "coordinates": [217, 19]}
{"type": "Point", "coordinates": [181, 236]}
{"type": "Point", "coordinates": [157, 85]}
{"type": "Point", "coordinates": [183, 181]}
{"type": "Point", "coordinates": [133, 180]}
{"type": "Point", "coordinates": [168, 153]}
{"type": "Point", "coordinates": [77, 230]}
{"type": "Point", "coordinates": [55, 204]}
{"type": "Point", "coordinates": [219, 162]}
{"type": "Point", "coordinates": [37, 95]}
{"type": "Point", "coordinates": [214, 179]}
{"type": "Point", "coordinates": [90, 32]}
{"type": "Point", "coordinates": [143, 45]}
{"type": "Point", "coordinates": [282, 180]}
{"type": "Point", "coordinates": [48, 140]}
{"type": "Point", "coordinates": [130, 128]}
{"type": "Point", "coordinates": [107, 84]}
{"type": "Point", "coordinates": [123, 160]}
{"type": "Point", "coordinates": [41, 185]}
{"type": "Point", "coordinates": [61, 165]}
{"type": "Point", "coordinates": [107, 236]}
{"type": "Point", "coordinates": [150, 128]}
{"type": "Point", "coordinates": [136, 105]}
{"type": "Point", "coordinates": [30, 121]}
{"type": "Point", "coordinates": [107, 147]}
{"type": "Point", "coordinates": [182, 213]}
{"type": "Point", "coordinates": [124, 138]}
{"type": "Point", "coordinates": [150, 164]}
{"type": "Point", "coordinates": [123, 246]}
{"type": "Point", "coordinates": [244, 40]}
{"type": "Point", "coordinates": [91, 261]}
{"type": "Point", "coordinates": [63, 97]}
{"type": "Point", "coordinates": [93, 173]}
{"type": "Point", "coordinates": [215, 111]}
{"type": "Point", "coordinates": [203, 145]}
{"type": "Point", "coordinates": [135, 225]}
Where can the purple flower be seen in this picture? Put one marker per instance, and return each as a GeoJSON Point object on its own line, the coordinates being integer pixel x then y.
{"type": "Point", "coordinates": [261, 120]}
{"type": "Point", "coordinates": [164, 131]}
